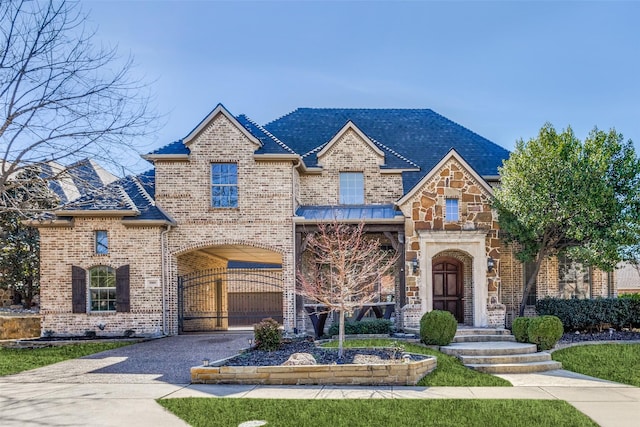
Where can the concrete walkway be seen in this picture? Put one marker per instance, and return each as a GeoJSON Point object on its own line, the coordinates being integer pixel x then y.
{"type": "Point", "coordinates": [106, 390]}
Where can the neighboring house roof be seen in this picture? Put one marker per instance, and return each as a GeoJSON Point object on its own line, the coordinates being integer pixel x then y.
{"type": "Point", "coordinates": [420, 136]}
{"type": "Point", "coordinates": [77, 179]}
{"type": "Point", "coordinates": [131, 197]}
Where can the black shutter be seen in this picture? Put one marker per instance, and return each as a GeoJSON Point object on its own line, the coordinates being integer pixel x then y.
{"type": "Point", "coordinates": [78, 289]}
{"type": "Point", "coordinates": [122, 289]}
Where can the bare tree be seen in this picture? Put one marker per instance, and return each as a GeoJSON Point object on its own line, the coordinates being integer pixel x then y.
{"type": "Point", "coordinates": [343, 268]}
{"type": "Point", "coordinates": [62, 99]}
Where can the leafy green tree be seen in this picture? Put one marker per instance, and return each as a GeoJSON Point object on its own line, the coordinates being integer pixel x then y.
{"type": "Point", "coordinates": [560, 195]}
{"type": "Point", "coordinates": [20, 244]}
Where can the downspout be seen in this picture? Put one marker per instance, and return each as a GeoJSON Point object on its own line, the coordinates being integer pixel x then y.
{"type": "Point", "coordinates": [293, 238]}
{"type": "Point", "coordinates": [164, 247]}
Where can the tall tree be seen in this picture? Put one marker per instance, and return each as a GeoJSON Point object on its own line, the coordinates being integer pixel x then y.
{"type": "Point", "coordinates": [20, 244]}
{"type": "Point", "coordinates": [560, 195]}
{"type": "Point", "coordinates": [62, 98]}
{"type": "Point", "coordinates": [343, 270]}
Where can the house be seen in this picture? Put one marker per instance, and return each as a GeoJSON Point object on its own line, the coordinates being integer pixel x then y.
{"type": "Point", "coordinates": [211, 237]}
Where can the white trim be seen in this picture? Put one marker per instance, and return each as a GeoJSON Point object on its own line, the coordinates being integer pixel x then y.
{"type": "Point", "coordinates": [451, 155]}
{"type": "Point", "coordinates": [470, 242]}
{"type": "Point", "coordinates": [212, 115]}
{"type": "Point", "coordinates": [351, 126]}
{"type": "Point", "coordinates": [174, 157]}
{"type": "Point", "coordinates": [98, 213]}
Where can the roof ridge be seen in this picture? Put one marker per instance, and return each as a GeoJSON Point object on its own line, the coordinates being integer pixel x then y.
{"type": "Point", "coordinates": [270, 135]}
{"type": "Point", "coordinates": [315, 150]}
{"type": "Point", "coordinates": [142, 191]}
{"type": "Point", "coordinates": [392, 151]}
{"type": "Point", "coordinates": [281, 117]}
{"type": "Point", "coordinates": [126, 197]}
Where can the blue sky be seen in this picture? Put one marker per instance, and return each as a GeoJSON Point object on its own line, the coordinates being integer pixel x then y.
{"type": "Point", "coordinates": [502, 69]}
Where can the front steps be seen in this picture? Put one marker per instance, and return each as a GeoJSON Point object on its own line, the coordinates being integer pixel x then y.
{"type": "Point", "coordinates": [495, 351]}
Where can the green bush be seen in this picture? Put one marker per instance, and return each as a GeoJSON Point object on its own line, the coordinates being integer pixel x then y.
{"type": "Point", "coordinates": [545, 331]}
{"type": "Point", "coordinates": [438, 327]}
{"type": "Point", "coordinates": [267, 335]}
{"type": "Point", "coordinates": [519, 328]}
{"type": "Point", "coordinates": [376, 326]}
{"type": "Point", "coordinates": [592, 314]}
{"type": "Point", "coordinates": [630, 296]}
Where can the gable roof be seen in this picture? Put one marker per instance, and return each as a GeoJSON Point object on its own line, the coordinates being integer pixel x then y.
{"type": "Point", "coordinates": [419, 136]}
{"type": "Point", "coordinates": [131, 197]}
{"type": "Point", "coordinates": [451, 155]}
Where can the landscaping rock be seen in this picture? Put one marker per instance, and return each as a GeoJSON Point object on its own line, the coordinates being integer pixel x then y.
{"type": "Point", "coordinates": [297, 359]}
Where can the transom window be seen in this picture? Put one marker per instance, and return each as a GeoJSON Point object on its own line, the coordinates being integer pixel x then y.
{"type": "Point", "coordinates": [224, 185]}
{"type": "Point", "coordinates": [102, 288]}
{"type": "Point", "coordinates": [351, 188]}
{"type": "Point", "coordinates": [451, 210]}
{"type": "Point", "coordinates": [101, 242]}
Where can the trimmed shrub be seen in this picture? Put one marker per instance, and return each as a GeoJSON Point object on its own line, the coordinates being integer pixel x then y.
{"type": "Point", "coordinates": [376, 326]}
{"type": "Point", "coordinates": [267, 335]}
{"type": "Point", "coordinates": [519, 328]}
{"type": "Point", "coordinates": [545, 331]}
{"type": "Point", "coordinates": [592, 314]}
{"type": "Point", "coordinates": [438, 327]}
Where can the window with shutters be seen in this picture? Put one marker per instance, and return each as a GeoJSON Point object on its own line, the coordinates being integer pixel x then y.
{"type": "Point", "coordinates": [102, 288]}
{"type": "Point", "coordinates": [108, 289]}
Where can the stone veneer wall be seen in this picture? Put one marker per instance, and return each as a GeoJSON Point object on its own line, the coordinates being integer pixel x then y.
{"type": "Point", "coordinates": [63, 247]}
{"type": "Point", "coordinates": [349, 154]}
{"type": "Point", "coordinates": [263, 218]}
{"type": "Point", "coordinates": [426, 211]}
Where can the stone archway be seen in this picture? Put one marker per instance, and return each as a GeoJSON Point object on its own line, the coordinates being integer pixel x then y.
{"type": "Point", "coordinates": [470, 245]}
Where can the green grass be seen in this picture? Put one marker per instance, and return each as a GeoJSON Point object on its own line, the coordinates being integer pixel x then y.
{"type": "Point", "coordinates": [14, 360]}
{"type": "Point", "coordinates": [450, 371]}
{"type": "Point", "coordinates": [613, 362]}
{"type": "Point", "coordinates": [221, 412]}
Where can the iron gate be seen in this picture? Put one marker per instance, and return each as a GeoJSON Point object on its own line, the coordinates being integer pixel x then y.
{"type": "Point", "coordinates": [217, 299]}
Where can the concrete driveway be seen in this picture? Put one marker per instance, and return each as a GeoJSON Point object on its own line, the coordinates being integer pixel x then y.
{"type": "Point", "coordinates": [119, 387]}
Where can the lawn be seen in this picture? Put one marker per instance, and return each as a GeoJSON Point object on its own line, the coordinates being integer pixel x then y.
{"type": "Point", "coordinates": [613, 362]}
{"type": "Point", "coordinates": [222, 412]}
{"type": "Point", "coordinates": [450, 371]}
{"type": "Point", "coordinates": [14, 360]}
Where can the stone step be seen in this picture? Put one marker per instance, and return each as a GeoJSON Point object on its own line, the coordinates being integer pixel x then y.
{"type": "Point", "coordinates": [491, 348]}
{"type": "Point", "coordinates": [483, 338]}
{"type": "Point", "coordinates": [505, 359]}
{"type": "Point", "coordinates": [516, 368]}
{"type": "Point", "coordinates": [482, 331]}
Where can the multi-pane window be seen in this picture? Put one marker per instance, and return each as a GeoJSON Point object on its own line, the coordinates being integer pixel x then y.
{"type": "Point", "coordinates": [451, 210]}
{"type": "Point", "coordinates": [533, 292]}
{"type": "Point", "coordinates": [224, 185]}
{"type": "Point", "coordinates": [351, 188]}
{"type": "Point", "coordinates": [574, 279]}
{"type": "Point", "coordinates": [101, 242]}
{"type": "Point", "coordinates": [102, 288]}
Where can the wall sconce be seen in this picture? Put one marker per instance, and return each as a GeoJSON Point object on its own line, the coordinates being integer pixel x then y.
{"type": "Point", "coordinates": [415, 266]}
{"type": "Point", "coordinates": [490, 264]}
{"type": "Point", "coordinates": [205, 362]}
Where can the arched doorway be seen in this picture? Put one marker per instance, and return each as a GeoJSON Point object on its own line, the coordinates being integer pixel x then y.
{"type": "Point", "coordinates": [448, 286]}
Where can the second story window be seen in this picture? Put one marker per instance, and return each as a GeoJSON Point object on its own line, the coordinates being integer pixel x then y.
{"type": "Point", "coordinates": [351, 188]}
{"type": "Point", "coordinates": [451, 210]}
{"type": "Point", "coordinates": [101, 242]}
{"type": "Point", "coordinates": [224, 185]}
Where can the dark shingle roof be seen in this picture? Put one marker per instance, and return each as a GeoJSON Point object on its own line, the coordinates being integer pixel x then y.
{"type": "Point", "coordinates": [176, 147]}
{"type": "Point", "coordinates": [133, 194]}
{"type": "Point", "coordinates": [421, 136]}
{"type": "Point", "coordinates": [270, 144]}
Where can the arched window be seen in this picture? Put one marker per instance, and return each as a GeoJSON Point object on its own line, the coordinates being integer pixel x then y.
{"type": "Point", "coordinates": [102, 288]}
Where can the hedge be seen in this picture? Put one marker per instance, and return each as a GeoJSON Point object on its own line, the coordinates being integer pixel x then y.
{"type": "Point", "coordinates": [365, 327]}
{"type": "Point", "coordinates": [592, 314]}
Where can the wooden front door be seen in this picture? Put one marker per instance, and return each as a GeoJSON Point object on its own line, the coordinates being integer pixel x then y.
{"type": "Point", "coordinates": [448, 289]}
